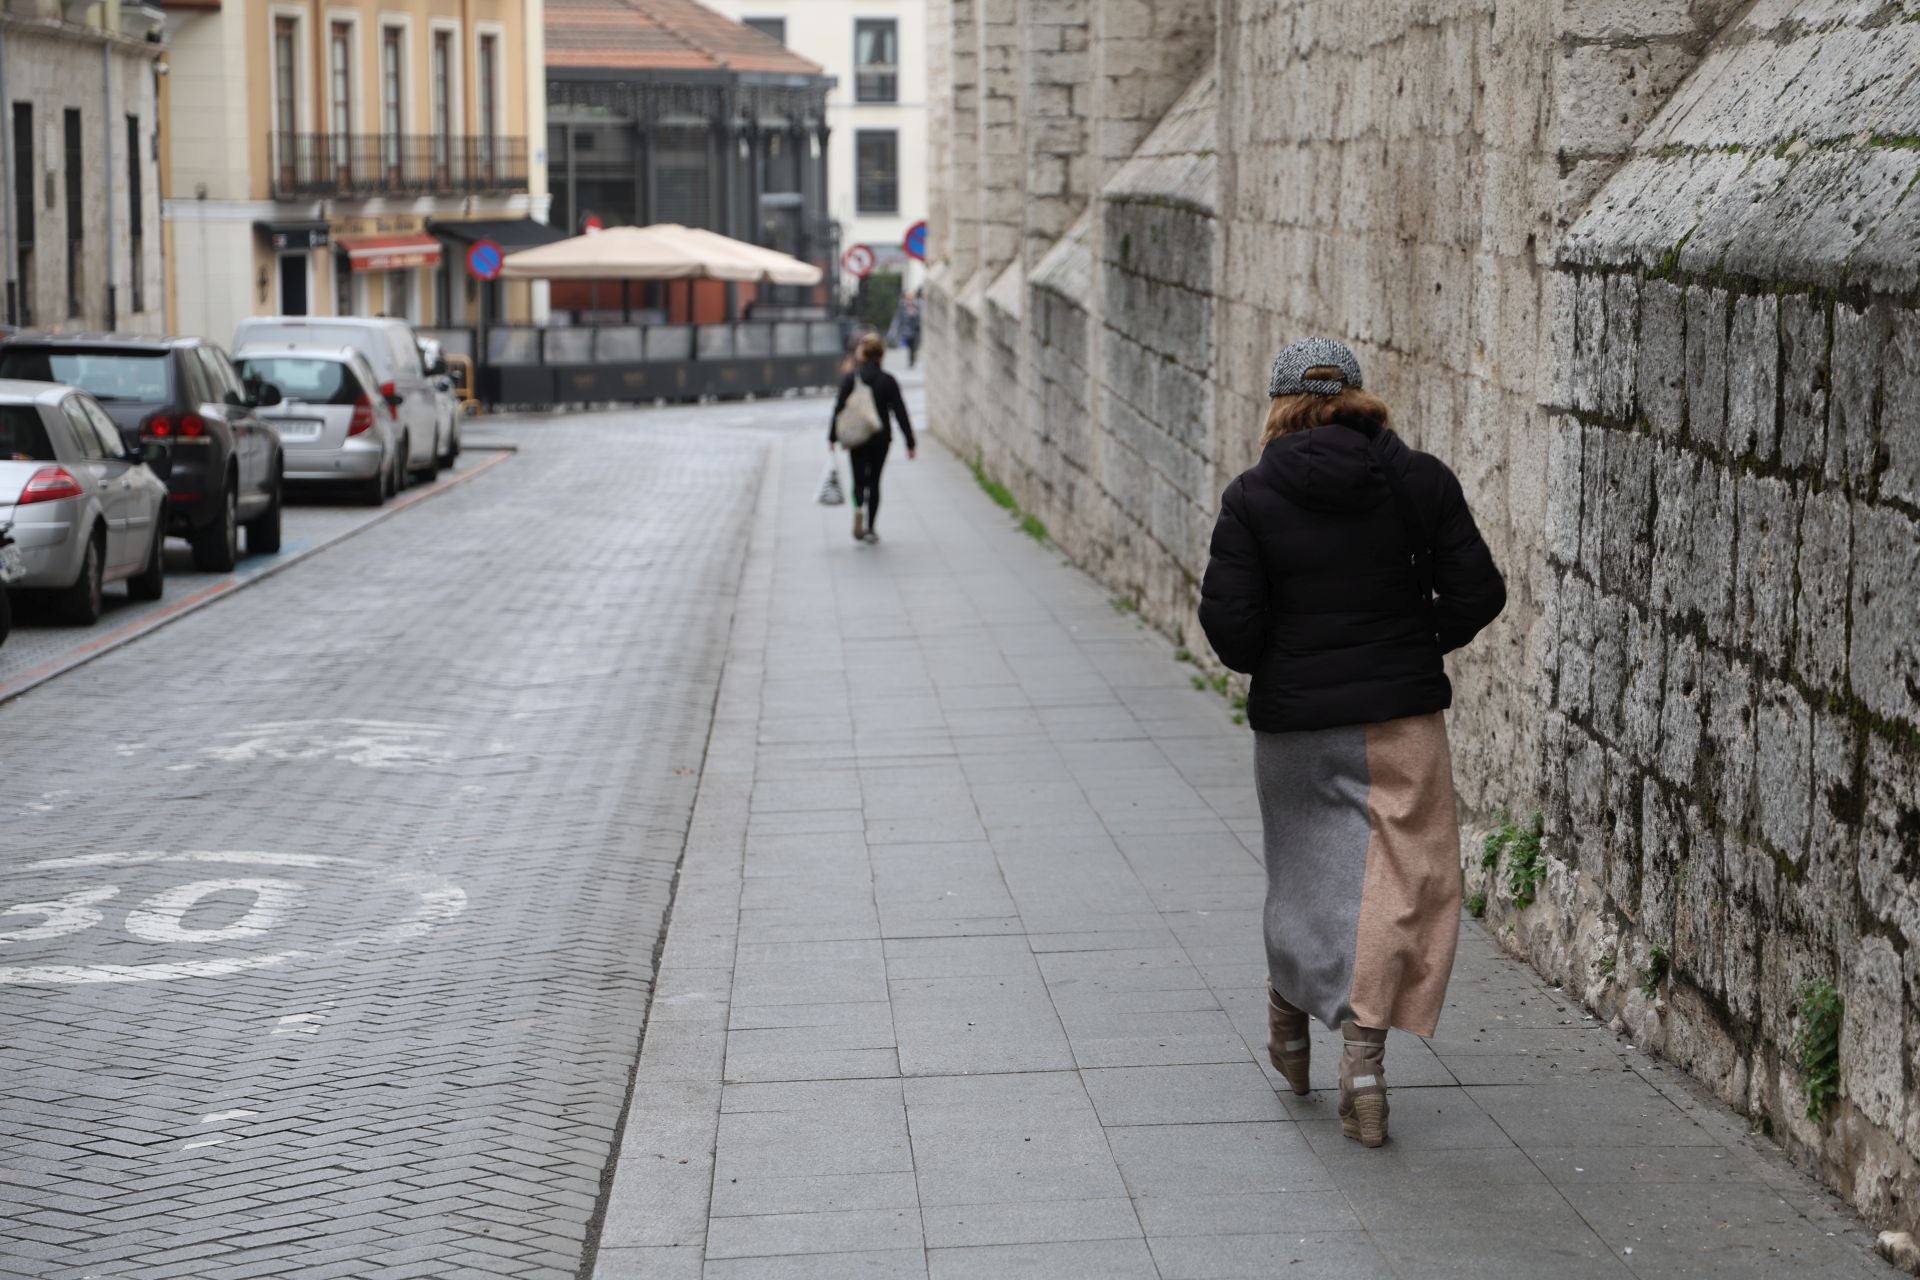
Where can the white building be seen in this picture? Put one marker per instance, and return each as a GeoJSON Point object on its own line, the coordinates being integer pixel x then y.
{"type": "Point", "coordinates": [876, 51]}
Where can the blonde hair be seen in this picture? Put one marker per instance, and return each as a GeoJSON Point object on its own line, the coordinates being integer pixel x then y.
{"type": "Point", "coordinates": [872, 349]}
{"type": "Point", "coordinates": [1288, 414]}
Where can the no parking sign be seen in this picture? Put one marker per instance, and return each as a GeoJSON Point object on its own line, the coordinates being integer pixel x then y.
{"type": "Point", "coordinates": [916, 241]}
{"type": "Point", "coordinates": [485, 259]}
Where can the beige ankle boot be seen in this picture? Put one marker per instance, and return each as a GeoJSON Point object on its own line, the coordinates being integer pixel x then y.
{"type": "Point", "coordinates": [1363, 1084]}
{"type": "Point", "coordinates": [1287, 1043]}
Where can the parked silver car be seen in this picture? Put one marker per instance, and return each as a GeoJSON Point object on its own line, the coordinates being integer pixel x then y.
{"type": "Point", "coordinates": [84, 511]}
{"type": "Point", "coordinates": [336, 428]}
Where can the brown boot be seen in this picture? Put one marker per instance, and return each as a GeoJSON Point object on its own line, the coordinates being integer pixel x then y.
{"type": "Point", "coordinates": [859, 524]}
{"type": "Point", "coordinates": [1287, 1043]}
{"type": "Point", "coordinates": [1363, 1084]}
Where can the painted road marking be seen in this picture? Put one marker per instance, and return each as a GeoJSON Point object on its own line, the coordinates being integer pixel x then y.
{"type": "Point", "coordinates": [162, 917]}
{"type": "Point", "coordinates": [371, 744]}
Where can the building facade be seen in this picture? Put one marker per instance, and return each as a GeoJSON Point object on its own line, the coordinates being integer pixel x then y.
{"type": "Point", "coordinates": [876, 52]}
{"type": "Point", "coordinates": [667, 111]}
{"type": "Point", "coordinates": [81, 220]}
{"type": "Point", "coordinates": [336, 157]}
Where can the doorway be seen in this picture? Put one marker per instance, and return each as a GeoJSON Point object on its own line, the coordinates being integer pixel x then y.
{"type": "Point", "coordinates": [293, 284]}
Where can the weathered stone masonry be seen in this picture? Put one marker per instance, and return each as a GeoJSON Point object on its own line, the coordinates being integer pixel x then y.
{"type": "Point", "coordinates": [1645, 275]}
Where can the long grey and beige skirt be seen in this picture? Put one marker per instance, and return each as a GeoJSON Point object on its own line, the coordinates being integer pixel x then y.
{"type": "Point", "coordinates": [1363, 870]}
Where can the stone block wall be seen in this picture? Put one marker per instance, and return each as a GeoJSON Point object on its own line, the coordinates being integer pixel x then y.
{"type": "Point", "coordinates": [1732, 700]}
{"type": "Point", "coordinates": [1646, 276]}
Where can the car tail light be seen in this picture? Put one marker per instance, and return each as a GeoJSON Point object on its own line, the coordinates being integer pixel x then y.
{"type": "Point", "coordinates": [188, 426]}
{"type": "Point", "coordinates": [362, 420]}
{"type": "Point", "coordinates": [51, 484]}
{"type": "Point", "coordinates": [389, 391]}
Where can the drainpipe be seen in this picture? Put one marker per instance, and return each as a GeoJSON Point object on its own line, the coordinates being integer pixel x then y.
{"type": "Point", "coordinates": [6, 192]}
{"type": "Point", "coordinates": [106, 186]}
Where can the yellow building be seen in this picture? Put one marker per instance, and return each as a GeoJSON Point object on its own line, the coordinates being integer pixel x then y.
{"type": "Point", "coordinates": [338, 157]}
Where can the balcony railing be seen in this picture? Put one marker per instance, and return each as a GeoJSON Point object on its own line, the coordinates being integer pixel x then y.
{"type": "Point", "coordinates": [375, 164]}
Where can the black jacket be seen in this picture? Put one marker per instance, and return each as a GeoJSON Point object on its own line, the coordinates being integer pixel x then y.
{"type": "Point", "coordinates": [1310, 587]}
{"type": "Point", "coordinates": [886, 398]}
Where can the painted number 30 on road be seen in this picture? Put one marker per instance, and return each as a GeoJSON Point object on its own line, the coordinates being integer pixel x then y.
{"type": "Point", "coordinates": [273, 895]}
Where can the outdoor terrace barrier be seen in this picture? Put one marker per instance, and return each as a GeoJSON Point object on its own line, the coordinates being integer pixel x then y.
{"type": "Point", "coordinates": [565, 364]}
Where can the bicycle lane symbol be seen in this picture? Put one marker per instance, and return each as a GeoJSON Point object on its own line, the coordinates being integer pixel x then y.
{"type": "Point", "coordinates": [266, 882]}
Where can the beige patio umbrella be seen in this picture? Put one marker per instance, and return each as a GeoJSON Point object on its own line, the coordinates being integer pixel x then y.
{"type": "Point", "coordinates": [664, 251]}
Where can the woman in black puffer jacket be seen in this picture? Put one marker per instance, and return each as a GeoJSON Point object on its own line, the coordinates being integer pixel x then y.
{"type": "Point", "coordinates": [1343, 565]}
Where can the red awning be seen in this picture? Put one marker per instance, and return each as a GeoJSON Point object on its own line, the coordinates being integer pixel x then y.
{"type": "Point", "coordinates": [390, 253]}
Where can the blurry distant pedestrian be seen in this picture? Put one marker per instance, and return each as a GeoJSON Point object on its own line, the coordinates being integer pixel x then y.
{"type": "Point", "coordinates": [1343, 565]}
{"type": "Point", "coordinates": [868, 398]}
{"type": "Point", "coordinates": [905, 329]}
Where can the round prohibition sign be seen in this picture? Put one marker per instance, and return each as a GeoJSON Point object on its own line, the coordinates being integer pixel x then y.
{"type": "Point", "coordinates": [858, 260]}
{"type": "Point", "coordinates": [161, 917]}
{"type": "Point", "coordinates": [485, 259]}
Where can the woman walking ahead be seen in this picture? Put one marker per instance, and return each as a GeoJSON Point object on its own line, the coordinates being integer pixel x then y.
{"type": "Point", "coordinates": [1343, 565]}
{"type": "Point", "coordinates": [868, 398]}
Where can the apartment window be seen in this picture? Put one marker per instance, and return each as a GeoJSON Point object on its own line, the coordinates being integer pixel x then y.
{"type": "Point", "coordinates": [76, 211]}
{"type": "Point", "coordinates": [136, 216]}
{"type": "Point", "coordinates": [442, 101]}
{"type": "Point", "coordinates": [392, 74]}
{"type": "Point", "coordinates": [876, 60]}
{"type": "Point", "coordinates": [774, 27]}
{"type": "Point", "coordinates": [340, 96]}
{"type": "Point", "coordinates": [489, 89]}
{"type": "Point", "coordinates": [24, 205]}
{"type": "Point", "coordinates": [285, 111]}
{"type": "Point", "coordinates": [876, 163]}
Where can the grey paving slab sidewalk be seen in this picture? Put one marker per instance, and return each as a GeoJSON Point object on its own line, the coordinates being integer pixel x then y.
{"type": "Point", "coordinates": [964, 979]}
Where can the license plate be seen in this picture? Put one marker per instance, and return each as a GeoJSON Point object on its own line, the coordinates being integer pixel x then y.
{"type": "Point", "coordinates": [13, 566]}
{"type": "Point", "coordinates": [297, 429]}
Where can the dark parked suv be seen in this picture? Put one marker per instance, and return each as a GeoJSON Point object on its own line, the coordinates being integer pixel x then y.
{"type": "Point", "coordinates": [183, 393]}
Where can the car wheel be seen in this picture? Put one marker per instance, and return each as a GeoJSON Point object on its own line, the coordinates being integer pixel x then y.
{"type": "Point", "coordinates": [263, 531]}
{"type": "Point", "coordinates": [431, 469]}
{"type": "Point", "coordinates": [79, 605]}
{"type": "Point", "coordinates": [376, 488]}
{"type": "Point", "coordinates": [400, 460]}
{"type": "Point", "coordinates": [151, 583]}
{"type": "Point", "coordinates": [452, 453]}
{"type": "Point", "coordinates": [6, 615]}
{"type": "Point", "coordinates": [216, 549]}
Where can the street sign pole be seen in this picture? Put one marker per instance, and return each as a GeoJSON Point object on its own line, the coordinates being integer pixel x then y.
{"type": "Point", "coordinates": [485, 259]}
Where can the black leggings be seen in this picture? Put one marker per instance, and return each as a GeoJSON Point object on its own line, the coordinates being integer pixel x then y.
{"type": "Point", "coordinates": [867, 462]}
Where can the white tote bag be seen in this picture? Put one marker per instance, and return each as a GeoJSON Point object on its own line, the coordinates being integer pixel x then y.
{"type": "Point", "coordinates": [859, 419]}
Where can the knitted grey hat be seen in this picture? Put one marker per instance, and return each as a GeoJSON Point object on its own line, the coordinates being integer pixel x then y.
{"type": "Point", "coordinates": [1290, 367]}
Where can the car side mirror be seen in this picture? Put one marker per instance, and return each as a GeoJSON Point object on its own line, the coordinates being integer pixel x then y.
{"type": "Point", "coordinates": [158, 457]}
{"type": "Point", "coordinates": [234, 399]}
{"type": "Point", "coordinates": [395, 400]}
{"type": "Point", "coordinates": [437, 368]}
{"type": "Point", "coordinates": [266, 396]}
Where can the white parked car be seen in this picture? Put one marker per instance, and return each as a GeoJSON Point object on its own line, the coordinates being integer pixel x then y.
{"type": "Point", "coordinates": [336, 429]}
{"type": "Point", "coordinates": [84, 511]}
{"type": "Point", "coordinates": [433, 356]}
{"type": "Point", "coordinates": [390, 347]}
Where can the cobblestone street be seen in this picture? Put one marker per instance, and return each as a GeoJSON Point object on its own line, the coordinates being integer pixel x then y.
{"type": "Point", "coordinates": [350, 884]}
